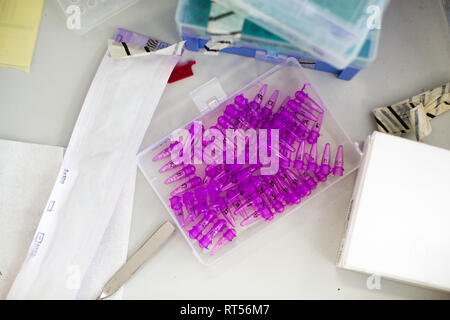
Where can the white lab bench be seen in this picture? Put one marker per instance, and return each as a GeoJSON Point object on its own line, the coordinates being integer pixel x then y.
{"type": "Point", "coordinates": [297, 258]}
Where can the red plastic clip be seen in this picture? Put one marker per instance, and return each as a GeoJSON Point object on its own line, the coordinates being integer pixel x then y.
{"type": "Point", "coordinates": [181, 72]}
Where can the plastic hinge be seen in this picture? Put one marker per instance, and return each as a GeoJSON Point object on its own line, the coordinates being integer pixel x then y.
{"type": "Point", "coordinates": [208, 95]}
{"type": "Point", "coordinates": [270, 56]}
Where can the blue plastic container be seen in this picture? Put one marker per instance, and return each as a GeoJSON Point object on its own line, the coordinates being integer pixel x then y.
{"type": "Point", "coordinates": [329, 30]}
{"type": "Point", "coordinates": [192, 19]}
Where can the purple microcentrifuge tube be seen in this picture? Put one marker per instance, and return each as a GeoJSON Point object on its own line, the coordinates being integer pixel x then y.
{"type": "Point", "coordinates": [312, 159]}
{"type": "Point", "coordinates": [285, 161]}
{"type": "Point", "coordinates": [325, 168]}
{"type": "Point", "coordinates": [166, 152]}
{"type": "Point", "coordinates": [283, 192]}
{"type": "Point", "coordinates": [254, 105]}
{"type": "Point", "coordinates": [189, 201]}
{"type": "Point", "coordinates": [269, 196]}
{"type": "Point", "coordinates": [241, 195]}
{"type": "Point", "coordinates": [299, 110]}
{"type": "Point", "coordinates": [278, 194]}
{"type": "Point", "coordinates": [314, 133]}
{"type": "Point", "coordinates": [264, 213]}
{"type": "Point", "coordinates": [284, 188]}
{"type": "Point", "coordinates": [181, 174]}
{"type": "Point", "coordinates": [266, 111]}
{"type": "Point", "coordinates": [201, 195]}
{"type": "Point", "coordinates": [236, 200]}
{"type": "Point", "coordinates": [192, 183]}
{"type": "Point", "coordinates": [197, 230]}
{"type": "Point", "coordinates": [225, 211]}
{"type": "Point", "coordinates": [240, 177]}
{"type": "Point", "coordinates": [251, 205]}
{"type": "Point", "coordinates": [306, 120]}
{"type": "Point", "coordinates": [260, 95]}
{"type": "Point", "coordinates": [280, 124]}
{"type": "Point", "coordinates": [292, 196]}
{"type": "Point", "coordinates": [227, 236]}
{"type": "Point", "coordinates": [170, 165]}
{"type": "Point", "coordinates": [301, 188]}
{"type": "Point", "coordinates": [338, 169]}
{"type": "Point", "coordinates": [310, 181]}
{"type": "Point", "coordinates": [177, 207]}
{"type": "Point", "coordinates": [267, 121]}
{"type": "Point", "coordinates": [252, 218]}
{"type": "Point", "coordinates": [207, 239]}
{"type": "Point", "coordinates": [300, 157]}
{"type": "Point", "coordinates": [305, 98]}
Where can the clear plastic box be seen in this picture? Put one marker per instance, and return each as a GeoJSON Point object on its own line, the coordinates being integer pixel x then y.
{"type": "Point", "coordinates": [288, 78]}
{"type": "Point", "coordinates": [255, 41]}
{"type": "Point", "coordinates": [94, 12]}
{"type": "Point", "coordinates": [332, 31]}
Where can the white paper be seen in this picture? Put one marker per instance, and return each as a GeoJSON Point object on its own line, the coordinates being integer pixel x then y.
{"type": "Point", "coordinates": [27, 174]}
{"type": "Point", "coordinates": [112, 251]}
{"type": "Point", "coordinates": [113, 120]}
{"type": "Point", "coordinates": [399, 225]}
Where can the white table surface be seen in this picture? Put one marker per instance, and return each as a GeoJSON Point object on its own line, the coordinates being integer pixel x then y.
{"type": "Point", "coordinates": [297, 257]}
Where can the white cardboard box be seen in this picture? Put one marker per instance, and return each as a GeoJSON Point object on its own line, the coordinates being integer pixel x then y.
{"type": "Point", "coordinates": [398, 223]}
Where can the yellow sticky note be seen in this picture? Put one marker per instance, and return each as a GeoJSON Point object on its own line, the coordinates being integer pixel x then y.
{"type": "Point", "coordinates": [19, 25]}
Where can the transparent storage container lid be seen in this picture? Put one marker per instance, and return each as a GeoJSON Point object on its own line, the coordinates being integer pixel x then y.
{"type": "Point", "coordinates": [288, 78]}
{"type": "Point", "coordinates": [333, 31]}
